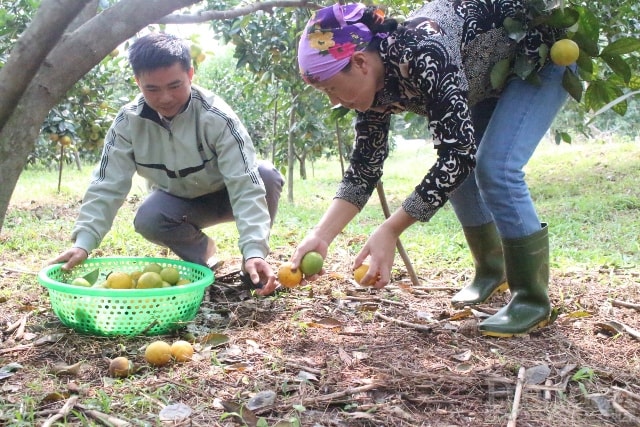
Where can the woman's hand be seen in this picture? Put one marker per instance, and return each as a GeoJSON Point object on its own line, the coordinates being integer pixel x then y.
{"type": "Point", "coordinates": [380, 248]}
{"type": "Point", "coordinates": [310, 243]}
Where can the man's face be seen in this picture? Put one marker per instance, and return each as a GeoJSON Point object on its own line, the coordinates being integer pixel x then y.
{"type": "Point", "coordinates": [166, 90]}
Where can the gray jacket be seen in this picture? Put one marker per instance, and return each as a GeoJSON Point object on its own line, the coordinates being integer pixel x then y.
{"type": "Point", "coordinates": [205, 149]}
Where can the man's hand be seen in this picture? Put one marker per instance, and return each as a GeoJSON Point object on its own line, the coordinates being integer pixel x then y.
{"type": "Point", "coordinates": [260, 271]}
{"type": "Point", "coordinates": [71, 257]}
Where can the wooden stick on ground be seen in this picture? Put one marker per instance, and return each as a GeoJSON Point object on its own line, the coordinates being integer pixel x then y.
{"type": "Point", "coordinates": [401, 251]}
{"type": "Point", "coordinates": [516, 398]}
{"type": "Point", "coordinates": [618, 303]}
{"type": "Point", "coordinates": [105, 419]}
{"type": "Point", "coordinates": [337, 395]}
{"type": "Point", "coordinates": [422, 328]}
{"type": "Point", "coordinates": [63, 412]}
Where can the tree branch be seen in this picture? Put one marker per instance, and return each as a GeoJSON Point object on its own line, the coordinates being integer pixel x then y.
{"type": "Point", "coordinates": [31, 49]}
{"type": "Point", "coordinates": [215, 15]}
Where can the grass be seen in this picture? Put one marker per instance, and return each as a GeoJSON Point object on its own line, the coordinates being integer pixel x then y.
{"type": "Point", "coordinates": [586, 192]}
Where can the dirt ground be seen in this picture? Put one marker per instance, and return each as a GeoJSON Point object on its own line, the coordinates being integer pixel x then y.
{"type": "Point", "coordinates": [336, 354]}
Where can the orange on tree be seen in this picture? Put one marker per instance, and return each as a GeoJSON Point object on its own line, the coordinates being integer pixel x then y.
{"type": "Point", "coordinates": [564, 52]}
{"type": "Point", "coordinates": [288, 277]}
{"type": "Point", "coordinates": [65, 141]}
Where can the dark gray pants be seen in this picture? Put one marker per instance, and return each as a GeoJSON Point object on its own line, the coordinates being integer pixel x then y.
{"type": "Point", "coordinates": [177, 223]}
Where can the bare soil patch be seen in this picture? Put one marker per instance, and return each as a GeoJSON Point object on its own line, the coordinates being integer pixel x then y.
{"type": "Point", "coordinates": [336, 354]}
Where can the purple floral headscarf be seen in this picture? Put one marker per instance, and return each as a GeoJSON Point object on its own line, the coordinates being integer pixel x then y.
{"type": "Point", "coordinates": [331, 36]}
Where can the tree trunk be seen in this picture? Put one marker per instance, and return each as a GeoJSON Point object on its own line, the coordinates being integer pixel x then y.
{"type": "Point", "coordinates": [23, 111]}
{"type": "Point", "coordinates": [291, 154]}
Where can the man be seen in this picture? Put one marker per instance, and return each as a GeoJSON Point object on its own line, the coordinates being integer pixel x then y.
{"type": "Point", "coordinates": [198, 159]}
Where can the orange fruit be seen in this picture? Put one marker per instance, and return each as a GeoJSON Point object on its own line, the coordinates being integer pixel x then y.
{"type": "Point", "coordinates": [158, 353]}
{"type": "Point", "coordinates": [154, 266]}
{"type": "Point", "coordinates": [182, 351]}
{"type": "Point", "coordinates": [359, 273]}
{"type": "Point", "coordinates": [311, 263]}
{"type": "Point", "coordinates": [149, 280]}
{"type": "Point", "coordinates": [170, 275]}
{"type": "Point", "coordinates": [81, 281]}
{"type": "Point", "coordinates": [288, 277]}
{"type": "Point", "coordinates": [119, 280]}
{"type": "Point", "coordinates": [65, 140]}
{"type": "Point", "coordinates": [120, 367]}
{"type": "Point", "coordinates": [564, 52]}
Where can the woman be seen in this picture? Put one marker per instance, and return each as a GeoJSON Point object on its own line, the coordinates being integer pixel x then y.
{"type": "Point", "coordinates": [438, 64]}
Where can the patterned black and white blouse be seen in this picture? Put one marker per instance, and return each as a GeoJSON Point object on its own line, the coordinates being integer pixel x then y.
{"type": "Point", "coordinates": [437, 65]}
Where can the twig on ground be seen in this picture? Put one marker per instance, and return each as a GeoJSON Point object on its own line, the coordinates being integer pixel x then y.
{"type": "Point", "coordinates": [375, 299]}
{"type": "Point", "coordinates": [435, 288]}
{"type": "Point", "coordinates": [547, 393]}
{"type": "Point", "coordinates": [618, 303]}
{"type": "Point", "coordinates": [63, 412]}
{"type": "Point", "coordinates": [516, 398]}
{"type": "Point", "coordinates": [104, 418]}
{"type": "Point", "coordinates": [626, 393]}
{"type": "Point", "coordinates": [21, 327]}
{"type": "Point", "coordinates": [15, 270]}
{"type": "Point", "coordinates": [416, 326]}
{"type": "Point", "coordinates": [618, 407]}
{"type": "Point", "coordinates": [151, 325]}
{"type": "Point", "coordinates": [16, 348]}
{"type": "Point", "coordinates": [339, 394]}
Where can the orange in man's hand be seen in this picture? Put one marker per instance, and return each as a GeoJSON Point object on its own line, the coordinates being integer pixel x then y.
{"type": "Point", "coordinates": [288, 277]}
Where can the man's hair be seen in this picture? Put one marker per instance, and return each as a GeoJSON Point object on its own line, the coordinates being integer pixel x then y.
{"type": "Point", "coordinates": [158, 50]}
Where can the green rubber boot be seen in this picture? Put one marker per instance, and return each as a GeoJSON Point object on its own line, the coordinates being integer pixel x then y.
{"type": "Point", "coordinates": [486, 248]}
{"type": "Point", "coordinates": [527, 263]}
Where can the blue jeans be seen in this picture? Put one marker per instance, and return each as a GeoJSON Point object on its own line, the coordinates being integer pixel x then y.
{"type": "Point", "coordinates": [508, 130]}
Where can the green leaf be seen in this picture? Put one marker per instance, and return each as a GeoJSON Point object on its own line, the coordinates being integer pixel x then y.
{"type": "Point", "coordinates": [92, 276]}
{"type": "Point", "coordinates": [585, 66]}
{"type": "Point", "coordinates": [338, 112]}
{"type": "Point", "coordinates": [523, 66]}
{"type": "Point", "coordinates": [559, 18]}
{"type": "Point", "coordinates": [515, 29]}
{"type": "Point", "coordinates": [621, 46]}
{"type": "Point", "coordinates": [499, 73]}
{"type": "Point", "coordinates": [586, 43]}
{"type": "Point", "coordinates": [589, 24]}
{"type": "Point", "coordinates": [601, 92]}
{"type": "Point", "coordinates": [618, 65]}
{"type": "Point", "coordinates": [634, 83]}
{"type": "Point", "coordinates": [572, 84]}
{"type": "Point", "coordinates": [614, 102]}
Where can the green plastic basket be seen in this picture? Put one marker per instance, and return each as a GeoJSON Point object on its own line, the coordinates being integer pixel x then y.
{"type": "Point", "coordinates": [125, 312]}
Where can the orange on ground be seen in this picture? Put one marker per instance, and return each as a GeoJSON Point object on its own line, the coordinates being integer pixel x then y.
{"type": "Point", "coordinates": [158, 353]}
{"type": "Point", "coordinates": [120, 367]}
{"type": "Point", "coordinates": [182, 351]}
